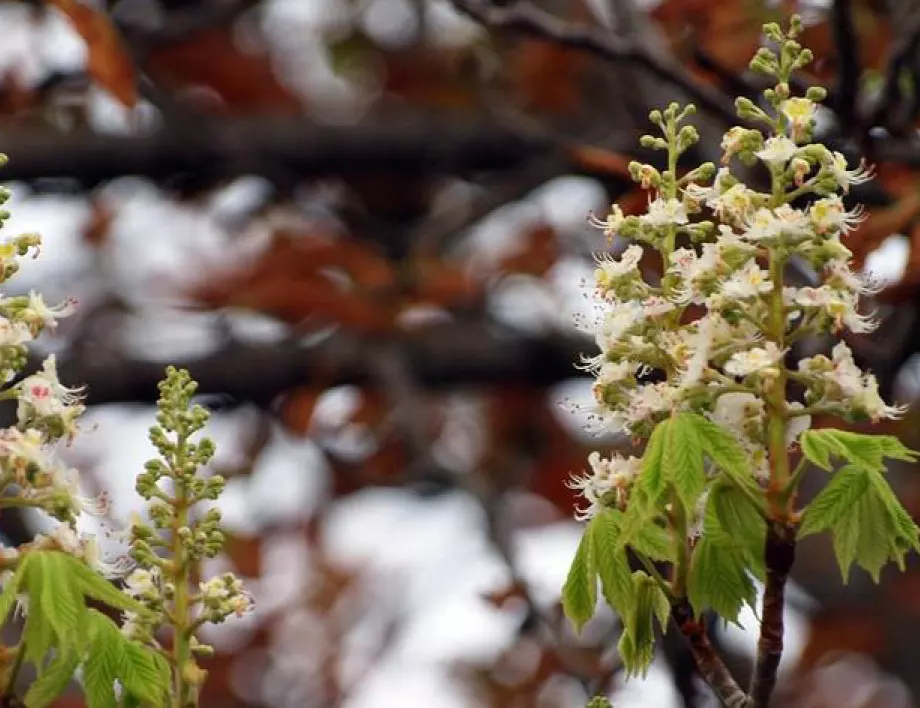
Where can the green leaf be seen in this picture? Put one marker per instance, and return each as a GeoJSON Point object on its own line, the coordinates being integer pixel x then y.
{"type": "Point", "coordinates": [865, 451]}
{"type": "Point", "coordinates": [61, 597]}
{"type": "Point", "coordinates": [726, 453]}
{"type": "Point", "coordinates": [868, 524]}
{"type": "Point", "coordinates": [103, 662]}
{"type": "Point", "coordinates": [141, 674]}
{"type": "Point", "coordinates": [718, 578]}
{"type": "Point", "coordinates": [731, 519]}
{"type": "Point", "coordinates": [95, 586]}
{"type": "Point", "coordinates": [53, 680]}
{"type": "Point", "coordinates": [836, 500]}
{"type": "Point", "coordinates": [579, 594]}
{"type": "Point", "coordinates": [11, 591]}
{"type": "Point", "coordinates": [682, 459]}
{"type": "Point", "coordinates": [637, 643]}
{"type": "Point", "coordinates": [653, 478]}
{"type": "Point", "coordinates": [610, 561]}
{"type": "Point", "coordinates": [653, 541]}
{"type": "Point", "coordinates": [38, 634]}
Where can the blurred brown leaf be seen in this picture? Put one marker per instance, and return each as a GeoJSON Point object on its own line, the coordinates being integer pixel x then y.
{"type": "Point", "coordinates": [245, 81]}
{"type": "Point", "coordinates": [95, 231]}
{"type": "Point", "coordinates": [539, 253]}
{"type": "Point", "coordinates": [291, 281]}
{"type": "Point", "coordinates": [109, 64]}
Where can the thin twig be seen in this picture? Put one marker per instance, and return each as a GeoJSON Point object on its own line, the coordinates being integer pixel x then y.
{"type": "Point", "coordinates": [529, 19]}
{"type": "Point", "coordinates": [708, 662]}
{"type": "Point", "coordinates": [779, 555]}
{"type": "Point", "coordinates": [847, 47]}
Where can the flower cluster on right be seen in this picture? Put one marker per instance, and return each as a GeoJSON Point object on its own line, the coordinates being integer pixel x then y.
{"type": "Point", "coordinates": [708, 330]}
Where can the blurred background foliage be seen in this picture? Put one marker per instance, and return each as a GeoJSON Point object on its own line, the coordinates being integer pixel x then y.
{"type": "Point", "coordinates": [361, 225]}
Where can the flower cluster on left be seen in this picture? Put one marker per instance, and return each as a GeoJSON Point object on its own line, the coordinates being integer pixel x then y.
{"type": "Point", "coordinates": [50, 582]}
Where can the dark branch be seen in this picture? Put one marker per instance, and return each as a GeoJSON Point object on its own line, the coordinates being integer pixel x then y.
{"type": "Point", "coordinates": [708, 662]}
{"type": "Point", "coordinates": [185, 22]}
{"type": "Point", "coordinates": [779, 555]}
{"type": "Point", "coordinates": [528, 19]}
{"type": "Point", "coordinates": [847, 47]}
{"type": "Point", "coordinates": [223, 148]}
{"type": "Point", "coordinates": [904, 46]}
{"type": "Point", "coordinates": [438, 357]}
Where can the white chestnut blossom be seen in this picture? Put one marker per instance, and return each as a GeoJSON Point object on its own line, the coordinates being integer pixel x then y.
{"type": "Point", "coordinates": [749, 281]}
{"type": "Point", "coordinates": [800, 112]}
{"type": "Point", "coordinates": [612, 223]}
{"type": "Point", "coordinates": [777, 150]}
{"type": "Point", "coordinates": [829, 216]}
{"type": "Point", "coordinates": [837, 165]}
{"type": "Point", "coordinates": [757, 360]}
{"type": "Point", "coordinates": [606, 476]}
{"type": "Point", "coordinates": [663, 212]}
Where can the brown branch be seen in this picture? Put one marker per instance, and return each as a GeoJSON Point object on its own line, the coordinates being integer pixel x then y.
{"type": "Point", "coordinates": [779, 555]}
{"type": "Point", "coordinates": [708, 662]}
{"type": "Point", "coordinates": [531, 20]}
{"type": "Point", "coordinates": [847, 47]}
{"type": "Point", "coordinates": [221, 148]}
{"type": "Point", "coordinates": [439, 358]}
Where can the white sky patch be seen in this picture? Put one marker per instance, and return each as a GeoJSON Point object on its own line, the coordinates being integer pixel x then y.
{"type": "Point", "coordinates": [888, 262]}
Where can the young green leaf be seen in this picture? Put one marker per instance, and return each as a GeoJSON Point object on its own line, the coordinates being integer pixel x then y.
{"type": "Point", "coordinates": [653, 541]}
{"type": "Point", "coordinates": [95, 586]}
{"type": "Point", "coordinates": [720, 446]}
{"type": "Point", "coordinates": [141, 674]}
{"type": "Point", "coordinates": [865, 451]}
{"type": "Point", "coordinates": [53, 680]}
{"type": "Point", "coordinates": [836, 500]}
{"type": "Point", "coordinates": [637, 643]}
{"type": "Point", "coordinates": [579, 594]}
{"type": "Point", "coordinates": [653, 478]}
{"type": "Point", "coordinates": [61, 598]}
{"type": "Point", "coordinates": [11, 591]}
{"type": "Point", "coordinates": [610, 561]}
{"type": "Point", "coordinates": [868, 524]}
{"type": "Point", "coordinates": [732, 519]}
{"type": "Point", "coordinates": [38, 634]}
{"type": "Point", "coordinates": [682, 460]}
{"type": "Point", "coordinates": [719, 579]}
{"type": "Point", "coordinates": [103, 662]}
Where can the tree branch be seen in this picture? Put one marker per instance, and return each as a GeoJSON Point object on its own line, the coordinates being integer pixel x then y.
{"type": "Point", "coordinates": [779, 555]}
{"type": "Point", "coordinates": [529, 19]}
{"type": "Point", "coordinates": [223, 148]}
{"type": "Point", "coordinates": [439, 358]}
{"type": "Point", "coordinates": [847, 46]}
{"type": "Point", "coordinates": [708, 662]}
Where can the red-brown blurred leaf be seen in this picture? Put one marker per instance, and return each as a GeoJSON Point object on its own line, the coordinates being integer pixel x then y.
{"type": "Point", "coordinates": [245, 81]}
{"type": "Point", "coordinates": [444, 284]}
{"type": "Point", "coordinates": [729, 30]}
{"type": "Point", "coordinates": [538, 255]}
{"type": "Point", "coordinates": [246, 554]}
{"type": "Point", "coordinates": [109, 63]}
{"type": "Point", "coordinates": [96, 229]}
{"type": "Point", "coordinates": [290, 281]}
{"type": "Point", "coordinates": [297, 409]}
{"type": "Point", "coordinates": [597, 159]}
{"type": "Point", "coordinates": [546, 76]}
